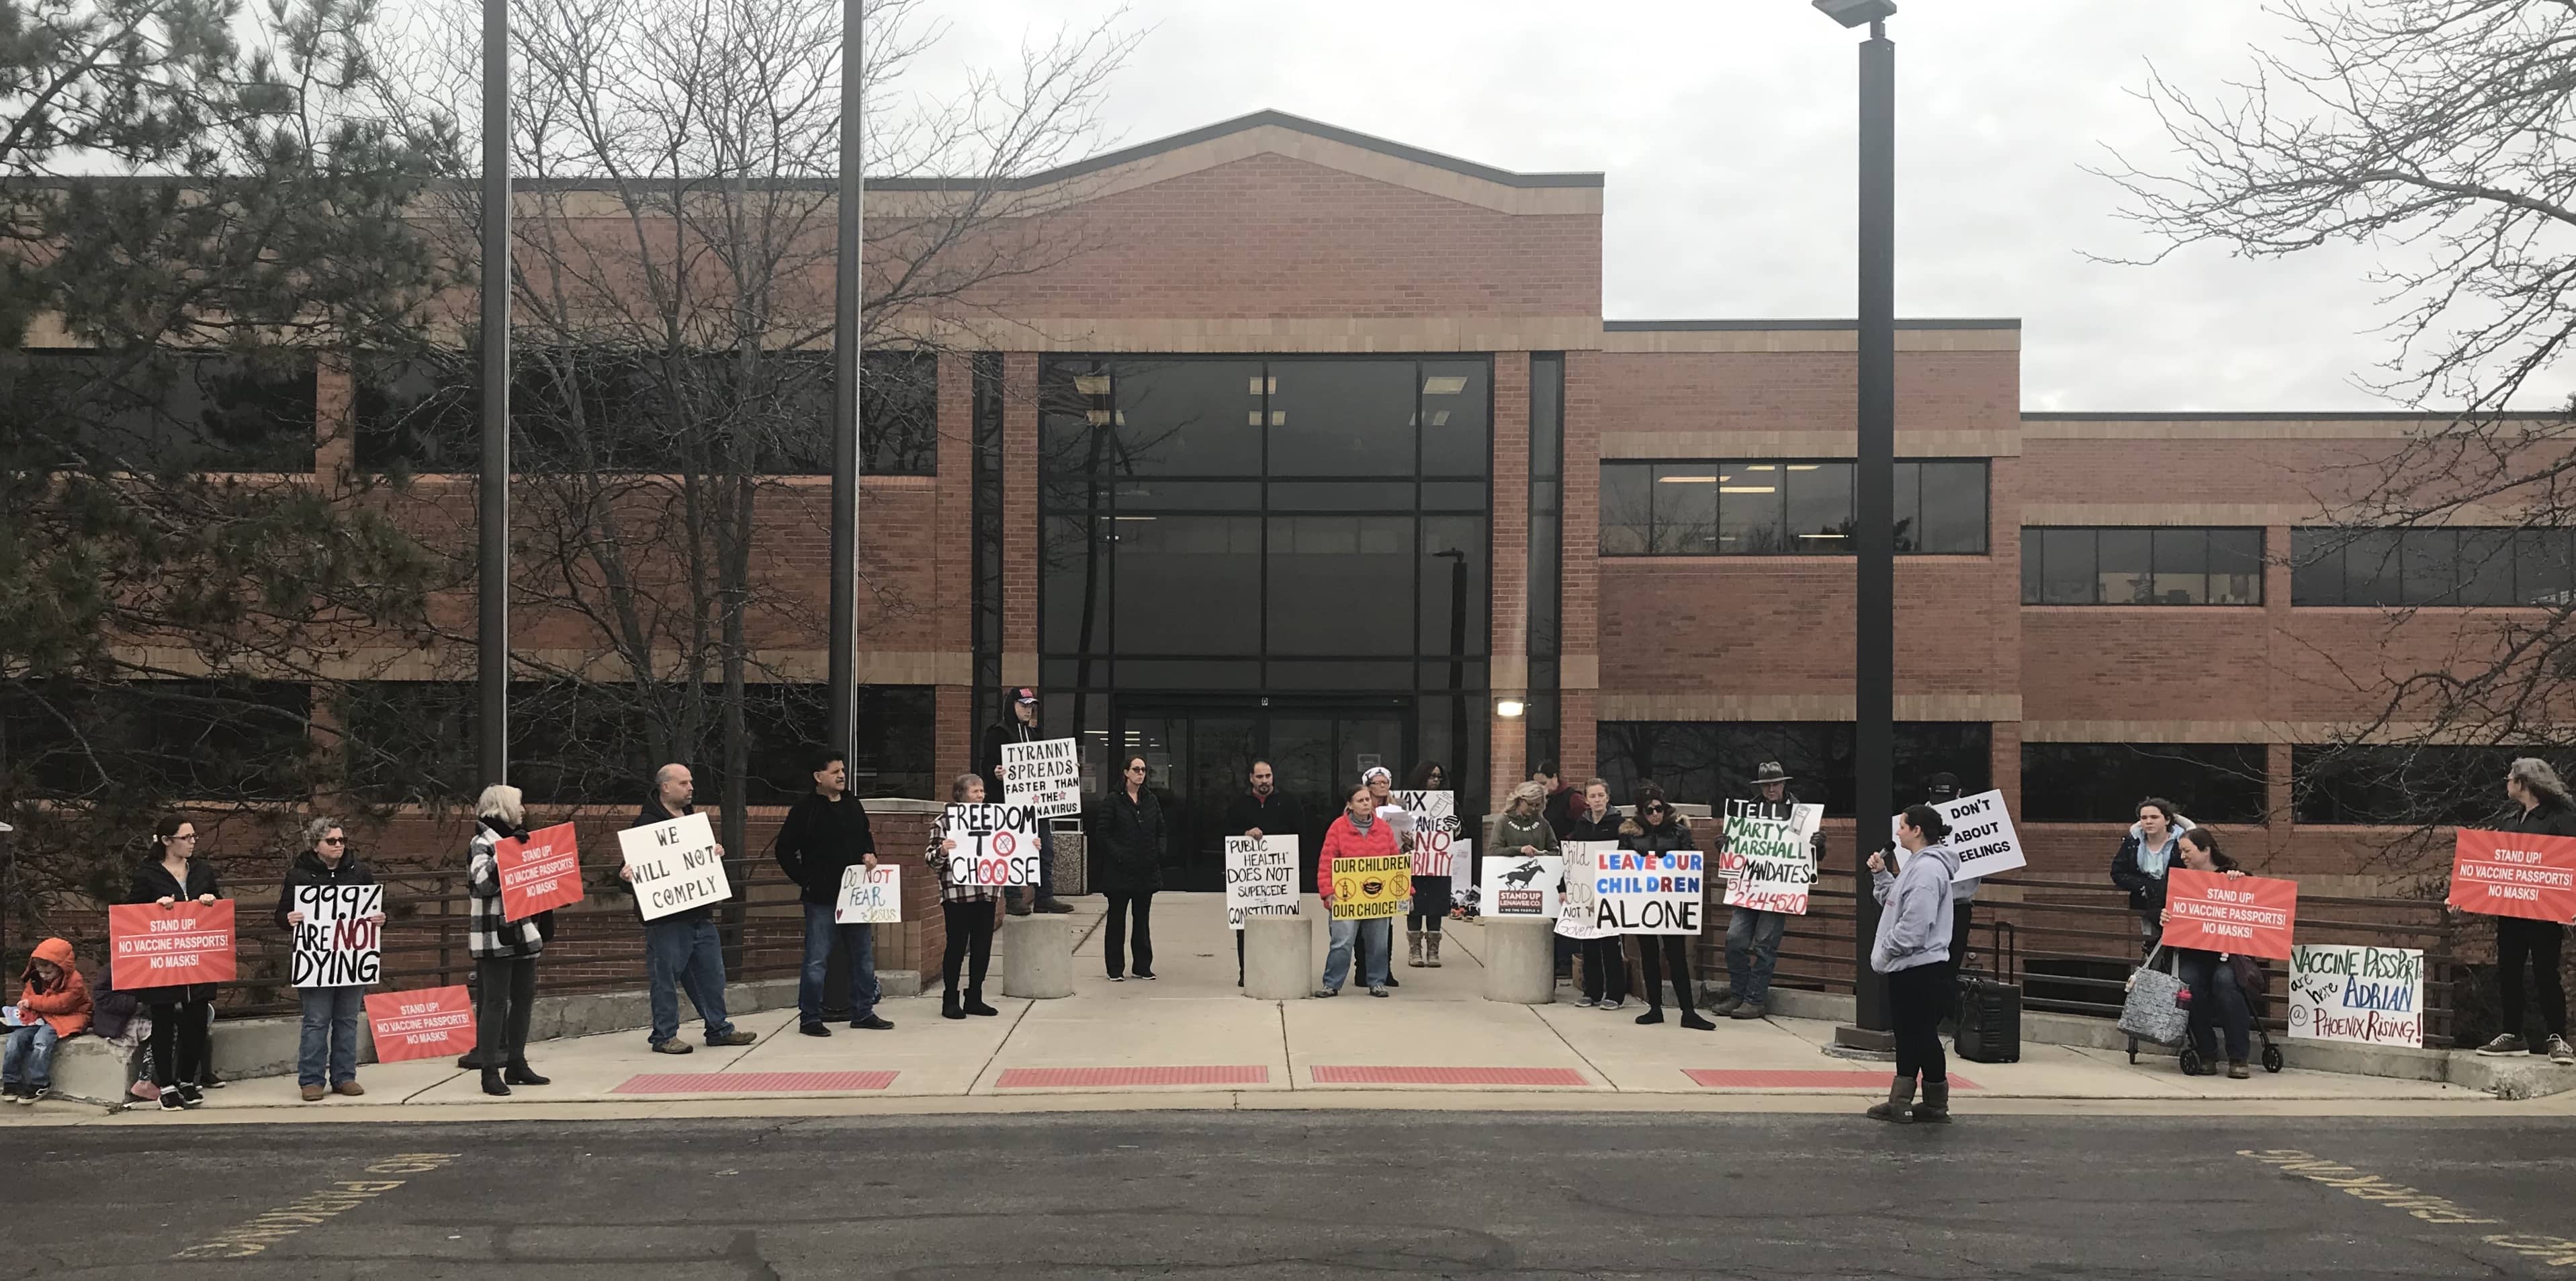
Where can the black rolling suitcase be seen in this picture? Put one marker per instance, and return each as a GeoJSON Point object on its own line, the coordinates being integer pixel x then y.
{"type": "Point", "coordinates": [1989, 1007]}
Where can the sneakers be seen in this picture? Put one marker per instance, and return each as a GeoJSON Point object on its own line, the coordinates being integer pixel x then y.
{"type": "Point", "coordinates": [1611, 1003]}
{"type": "Point", "coordinates": [813, 1029]}
{"type": "Point", "coordinates": [171, 1102]}
{"type": "Point", "coordinates": [871, 1023]}
{"type": "Point", "coordinates": [191, 1096]}
{"type": "Point", "coordinates": [735, 1036]}
{"type": "Point", "coordinates": [1379, 991]}
{"type": "Point", "coordinates": [1323, 993]}
{"type": "Point", "coordinates": [2505, 1043]}
{"type": "Point", "coordinates": [673, 1046]}
{"type": "Point", "coordinates": [2237, 1071]}
{"type": "Point", "coordinates": [18, 1093]}
{"type": "Point", "coordinates": [1745, 1010]}
{"type": "Point", "coordinates": [1725, 1006]}
{"type": "Point", "coordinates": [1584, 1003]}
{"type": "Point", "coordinates": [2560, 1052]}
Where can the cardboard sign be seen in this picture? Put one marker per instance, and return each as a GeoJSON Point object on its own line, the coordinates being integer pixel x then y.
{"type": "Point", "coordinates": [1579, 909]}
{"type": "Point", "coordinates": [335, 944]}
{"type": "Point", "coordinates": [1373, 888]}
{"type": "Point", "coordinates": [1521, 886]}
{"type": "Point", "coordinates": [2514, 874]}
{"type": "Point", "coordinates": [1648, 893]}
{"type": "Point", "coordinates": [432, 1023]}
{"type": "Point", "coordinates": [675, 864]}
{"type": "Point", "coordinates": [869, 895]}
{"type": "Point", "coordinates": [996, 844]}
{"type": "Point", "coordinates": [1045, 776]}
{"type": "Point", "coordinates": [1770, 862]}
{"type": "Point", "coordinates": [539, 872]}
{"type": "Point", "coordinates": [1430, 820]}
{"type": "Point", "coordinates": [2215, 912]}
{"type": "Point", "coordinates": [154, 946]}
{"type": "Point", "coordinates": [1981, 834]}
{"type": "Point", "coordinates": [2350, 992]}
{"type": "Point", "coordinates": [1260, 878]}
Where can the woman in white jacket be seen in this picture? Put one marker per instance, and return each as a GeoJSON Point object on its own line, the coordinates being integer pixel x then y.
{"type": "Point", "coordinates": [1913, 950]}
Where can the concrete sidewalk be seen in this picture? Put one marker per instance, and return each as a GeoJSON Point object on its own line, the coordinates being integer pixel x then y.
{"type": "Point", "coordinates": [1190, 1039]}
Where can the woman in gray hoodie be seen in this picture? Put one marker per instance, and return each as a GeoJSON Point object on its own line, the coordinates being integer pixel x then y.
{"type": "Point", "coordinates": [1913, 950]}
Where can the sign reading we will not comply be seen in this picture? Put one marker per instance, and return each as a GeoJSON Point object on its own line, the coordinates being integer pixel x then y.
{"type": "Point", "coordinates": [675, 864]}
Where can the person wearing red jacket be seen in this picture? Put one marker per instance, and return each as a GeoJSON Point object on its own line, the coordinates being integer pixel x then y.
{"type": "Point", "coordinates": [53, 1003]}
{"type": "Point", "coordinates": [1358, 833]}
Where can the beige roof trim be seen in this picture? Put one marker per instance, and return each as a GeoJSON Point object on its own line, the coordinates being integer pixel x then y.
{"type": "Point", "coordinates": [1801, 707]}
{"type": "Point", "coordinates": [2005, 443]}
{"type": "Point", "coordinates": [1740, 341]}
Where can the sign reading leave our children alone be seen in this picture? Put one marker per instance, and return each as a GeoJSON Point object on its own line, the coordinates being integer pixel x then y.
{"type": "Point", "coordinates": [2350, 992]}
{"type": "Point", "coordinates": [2244, 915]}
{"type": "Point", "coordinates": [155, 946]}
{"type": "Point", "coordinates": [1637, 893]}
{"type": "Point", "coordinates": [2514, 874]}
{"type": "Point", "coordinates": [1770, 858]}
{"type": "Point", "coordinates": [675, 864]}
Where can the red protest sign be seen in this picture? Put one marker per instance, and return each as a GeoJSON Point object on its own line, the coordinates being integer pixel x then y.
{"type": "Point", "coordinates": [2514, 874]}
{"type": "Point", "coordinates": [539, 872]}
{"type": "Point", "coordinates": [2215, 912]}
{"type": "Point", "coordinates": [427, 1024]}
{"type": "Point", "coordinates": [156, 946]}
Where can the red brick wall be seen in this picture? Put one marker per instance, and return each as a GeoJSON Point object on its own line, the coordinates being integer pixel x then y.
{"type": "Point", "coordinates": [1802, 391]}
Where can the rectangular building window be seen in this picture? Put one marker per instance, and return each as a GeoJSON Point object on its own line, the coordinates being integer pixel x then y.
{"type": "Point", "coordinates": [203, 740]}
{"type": "Point", "coordinates": [2103, 782]}
{"type": "Point", "coordinates": [2406, 786]}
{"type": "Point", "coordinates": [2430, 568]}
{"type": "Point", "coordinates": [1782, 507]}
{"type": "Point", "coordinates": [179, 412]}
{"type": "Point", "coordinates": [1543, 716]}
{"type": "Point", "coordinates": [2162, 565]}
{"type": "Point", "coordinates": [1708, 762]}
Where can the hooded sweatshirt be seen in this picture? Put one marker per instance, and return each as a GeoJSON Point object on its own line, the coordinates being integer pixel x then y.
{"type": "Point", "coordinates": [63, 1001]}
{"type": "Point", "coordinates": [1914, 927]}
{"type": "Point", "coordinates": [2138, 865]}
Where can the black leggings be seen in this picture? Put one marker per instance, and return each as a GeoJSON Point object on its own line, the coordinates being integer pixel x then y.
{"type": "Point", "coordinates": [1657, 951]}
{"type": "Point", "coordinates": [970, 930]}
{"type": "Point", "coordinates": [1430, 903]}
{"type": "Point", "coordinates": [505, 995]}
{"type": "Point", "coordinates": [1113, 941]}
{"type": "Point", "coordinates": [1605, 970]}
{"type": "Point", "coordinates": [180, 1042]}
{"type": "Point", "coordinates": [1915, 999]}
{"type": "Point", "coordinates": [2518, 941]}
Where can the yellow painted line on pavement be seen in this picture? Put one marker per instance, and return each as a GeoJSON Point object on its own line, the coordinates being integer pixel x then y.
{"type": "Point", "coordinates": [2367, 1186]}
{"type": "Point", "coordinates": [314, 1208]}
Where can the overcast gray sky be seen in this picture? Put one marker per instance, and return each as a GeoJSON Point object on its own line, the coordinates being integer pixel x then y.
{"type": "Point", "coordinates": [1725, 129]}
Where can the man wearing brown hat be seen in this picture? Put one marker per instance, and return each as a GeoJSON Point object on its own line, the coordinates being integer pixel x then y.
{"type": "Point", "coordinates": [1020, 725]}
{"type": "Point", "coordinates": [1752, 935]}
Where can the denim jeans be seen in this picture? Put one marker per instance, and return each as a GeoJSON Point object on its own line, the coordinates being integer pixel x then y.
{"type": "Point", "coordinates": [860, 946]}
{"type": "Point", "coordinates": [29, 1058]}
{"type": "Point", "coordinates": [330, 1032]}
{"type": "Point", "coordinates": [1752, 948]}
{"type": "Point", "coordinates": [685, 955]}
{"type": "Point", "coordinates": [1380, 934]}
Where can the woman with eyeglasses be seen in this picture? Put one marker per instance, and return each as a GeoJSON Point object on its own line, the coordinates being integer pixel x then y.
{"type": "Point", "coordinates": [1430, 893]}
{"type": "Point", "coordinates": [181, 1014]}
{"type": "Point", "coordinates": [1129, 839]}
{"type": "Point", "coordinates": [330, 1039]}
{"type": "Point", "coordinates": [1657, 829]}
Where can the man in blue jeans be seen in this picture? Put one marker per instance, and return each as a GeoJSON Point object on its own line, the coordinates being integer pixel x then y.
{"type": "Point", "coordinates": [1753, 936]}
{"type": "Point", "coordinates": [825, 835]}
{"type": "Point", "coordinates": [682, 951]}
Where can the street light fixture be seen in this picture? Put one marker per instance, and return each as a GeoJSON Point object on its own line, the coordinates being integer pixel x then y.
{"type": "Point", "coordinates": [1857, 13]}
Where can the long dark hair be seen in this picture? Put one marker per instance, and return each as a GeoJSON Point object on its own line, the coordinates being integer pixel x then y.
{"type": "Point", "coordinates": [1927, 820]}
{"type": "Point", "coordinates": [2206, 841]}
{"type": "Point", "coordinates": [1420, 779]}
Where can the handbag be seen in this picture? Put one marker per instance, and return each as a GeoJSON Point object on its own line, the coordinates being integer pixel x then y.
{"type": "Point", "coordinates": [2154, 1010]}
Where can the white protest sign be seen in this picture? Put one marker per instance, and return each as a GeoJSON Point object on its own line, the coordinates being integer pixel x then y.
{"type": "Point", "coordinates": [1648, 893]}
{"type": "Point", "coordinates": [869, 895]}
{"type": "Point", "coordinates": [996, 844]}
{"type": "Point", "coordinates": [1431, 818]}
{"type": "Point", "coordinates": [2349, 992]}
{"type": "Point", "coordinates": [1260, 878]}
{"type": "Point", "coordinates": [675, 865]}
{"type": "Point", "coordinates": [1045, 776]}
{"type": "Point", "coordinates": [335, 944]}
{"type": "Point", "coordinates": [1521, 886]}
{"type": "Point", "coordinates": [1772, 861]}
{"type": "Point", "coordinates": [1579, 908]}
{"type": "Point", "coordinates": [1981, 834]}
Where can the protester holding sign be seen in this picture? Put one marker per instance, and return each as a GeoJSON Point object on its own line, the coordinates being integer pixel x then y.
{"type": "Point", "coordinates": [1525, 833]}
{"type": "Point", "coordinates": [1263, 811]}
{"type": "Point", "coordinates": [1595, 823]}
{"type": "Point", "coordinates": [2543, 810]}
{"type": "Point", "coordinates": [2218, 980]}
{"type": "Point", "coordinates": [181, 1028]}
{"type": "Point", "coordinates": [1020, 725]}
{"type": "Point", "coordinates": [1127, 857]}
{"type": "Point", "coordinates": [1912, 948]}
{"type": "Point", "coordinates": [504, 951]}
{"type": "Point", "coordinates": [967, 908]}
{"type": "Point", "coordinates": [1434, 811]}
{"type": "Point", "coordinates": [1657, 830]}
{"type": "Point", "coordinates": [330, 1034]}
{"type": "Point", "coordinates": [1358, 834]}
{"type": "Point", "coordinates": [1753, 934]}
{"type": "Point", "coordinates": [681, 948]}
{"type": "Point", "coordinates": [825, 835]}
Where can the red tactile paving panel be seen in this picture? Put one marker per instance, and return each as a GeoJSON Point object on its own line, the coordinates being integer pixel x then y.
{"type": "Point", "coordinates": [1056, 1078]}
{"type": "Point", "coordinates": [1348, 1075]}
{"type": "Point", "coordinates": [1723, 1079]}
{"type": "Point", "coordinates": [752, 1082]}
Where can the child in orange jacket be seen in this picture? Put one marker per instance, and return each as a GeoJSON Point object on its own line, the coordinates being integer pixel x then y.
{"type": "Point", "coordinates": [53, 1003]}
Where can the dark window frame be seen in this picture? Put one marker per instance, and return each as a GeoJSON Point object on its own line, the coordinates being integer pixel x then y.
{"type": "Point", "coordinates": [1777, 538]}
{"type": "Point", "coordinates": [2036, 583]}
{"type": "Point", "coordinates": [2223, 784]}
{"type": "Point", "coordinates": [2520, 565]}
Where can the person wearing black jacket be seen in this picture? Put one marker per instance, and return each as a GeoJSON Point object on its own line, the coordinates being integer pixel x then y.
{"type": "Point", "coordinates": [825, 835]}
{"type": "Point", "coordinates": [682, 951]}
{"type": "Point", "coordinates": [2219, 981]}
{"type": "Point", "coordinates": [181, 1032]}
{"type": "Point", "coordinates": [2153, 843]}
{"type": "Point", "coordinates": [1262, 811]}
{"type": "Point", "coordinates": [2542, 808]}
{"type": "Point", "coordinates": [1127, 859]}
{"type": "Point", "coordinates": [1605, 966]}
{"type": "Point", "coordinates": [1020, 725]}
{"type": "Point", "coordinates": [1656, 829]}
{"type": "Point", "coordinates": [330, 1032]}
{"type": "Point", "coordinates": [1753, 935]}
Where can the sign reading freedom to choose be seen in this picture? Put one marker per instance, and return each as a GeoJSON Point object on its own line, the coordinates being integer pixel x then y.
{"type": "Point", "coordinates": [154, 946]}
{"type": "Point", "coordinates": [2215, 912]}
{"type": "Point", "coordinates": [1260, 878]}
{"type": "Point", "coordinates": [2348, 992]}
{"type": "Point", "coordinates": [432, 1023]}
{"type": "Point", "coordinates": [2514, 874]}
{"type": "Point", "coordinates": [996, 844]}
{"type": "Point", "coordinates": [1373, 888]}
{"type": "Point", "coordinates": [539, 873]}
{"type": "Point", "coordinates": [675, 865]}
{"type": "Point", "coordinates": [335, 944]}
{"type": "Point", "coordinates": [1773, 860]}
{"type": "Point", "coordinates": [1046, 776]}
{"type": "Point", "coordinates": [1647, 893]}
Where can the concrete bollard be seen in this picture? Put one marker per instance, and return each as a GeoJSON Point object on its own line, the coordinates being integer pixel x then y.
{"type": "Point", "coordinates": [1037, 957]}
{"type": "Point", "coordinates": [1520, 959]}
{"type": "Point", "coordinates": [1278, 957]}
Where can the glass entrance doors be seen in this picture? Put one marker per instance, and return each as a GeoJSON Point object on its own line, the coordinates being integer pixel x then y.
{"type": "Point", "coordinates": [1198, 759]}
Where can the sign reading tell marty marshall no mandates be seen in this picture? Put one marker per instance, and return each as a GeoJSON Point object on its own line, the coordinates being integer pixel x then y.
{"type": "Point", "coordinates": [1771, 861]}
{"type": "Point", "coordinates": [1045, 776]}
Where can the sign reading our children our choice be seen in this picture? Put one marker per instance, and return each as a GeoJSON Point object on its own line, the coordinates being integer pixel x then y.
{"type": "Point", "coordinates": [155, 946]}
{"type": "Point", "coordinates": [2243, 915]}
{"type": "Point", "coordinates": [2514, 874]}
{"type": "Point", "coordinates": [539, 872]}
{"type": "Point", "coordinates": [1371, 888]}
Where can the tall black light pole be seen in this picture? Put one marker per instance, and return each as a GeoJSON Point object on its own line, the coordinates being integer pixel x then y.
{"type": "Point", "coordinates": [843, 673]}
{"type": "Point", "coordinates": [1874, 495]}
{"type": "Point", "coordinates": [492, 574]}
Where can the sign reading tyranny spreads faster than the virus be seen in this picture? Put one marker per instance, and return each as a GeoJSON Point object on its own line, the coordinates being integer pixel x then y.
{"type": "Point", "coordinates": [1371, 888]}
{"type": "Point", "coordinates": [2349, 992]}
{"type": "Point", "coordinates": [1647, 893]}
{"type": "Point", "coordinates": [540, 872]}
{"type": "Point", "coordinates": [2244, 915]}
{"type": "Point", "coordinates": [155, 946]}
{"type": "Point", "coordinates": [1521, 885]}
{"type": "Point", "coordinates": [1045, 775]}
{"type": "Point", "coordinates": [1260, 878]}
{"type": "Point", "coordinates": [675, 864]}
{"type": "Point", "coordinates": [995, 844]}
{"type": "Point", "coordinates": [2514, 874]}
{"type": "Point", "coordinates": [1771, 857]}
{"type": "Point", "coordinates": [338, 943]}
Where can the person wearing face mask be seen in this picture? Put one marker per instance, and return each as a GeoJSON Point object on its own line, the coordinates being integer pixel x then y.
{"type": "Point", "coordinates": [1656, 829]}
{"type": "Point", "coordinates": [1912, 948]}
{"type": "Point", "coordinates": [2218, 984]}
{"type": "Point", "coordinates": [2540, 808]}
{"type": "Point", "coordinates": [2139, 866]}
{"type": "Point", "coordinates": [1360, 832]}
{"type": "Point", "coordinates": [1605, 967]}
